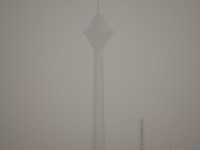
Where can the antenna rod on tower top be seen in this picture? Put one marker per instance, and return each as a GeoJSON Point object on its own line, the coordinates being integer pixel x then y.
{"type": "Point", "coordinates": [97, 6]}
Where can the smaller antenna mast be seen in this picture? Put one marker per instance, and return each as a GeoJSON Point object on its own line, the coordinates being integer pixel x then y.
{"type": "Point", "coordinates": [141, 138]}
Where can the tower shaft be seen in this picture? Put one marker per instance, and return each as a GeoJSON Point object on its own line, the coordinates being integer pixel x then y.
{"type": "Point", "coordinates": [98, 103]}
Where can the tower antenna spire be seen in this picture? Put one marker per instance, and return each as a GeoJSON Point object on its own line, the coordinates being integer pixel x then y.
{"type": "Point", "coordinates": [98, 6]}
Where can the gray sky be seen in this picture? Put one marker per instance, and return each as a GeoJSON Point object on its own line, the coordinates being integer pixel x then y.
{"type": "Point", "coordinates": [151, 70]}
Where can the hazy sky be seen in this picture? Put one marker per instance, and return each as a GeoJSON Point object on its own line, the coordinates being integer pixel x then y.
{"type": "Point", "coordinates": [151, 71]}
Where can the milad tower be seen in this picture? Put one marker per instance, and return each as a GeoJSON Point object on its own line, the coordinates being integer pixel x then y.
{"type": "Point", "coordinates": [98, 33]}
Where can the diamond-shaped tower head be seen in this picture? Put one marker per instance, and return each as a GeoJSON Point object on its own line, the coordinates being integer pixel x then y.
{"type": "Point", "coordinates": [98, 33]}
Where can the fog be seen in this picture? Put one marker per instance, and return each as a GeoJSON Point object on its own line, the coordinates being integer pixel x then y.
{"type": "Point", "coordinates": [151, 71]}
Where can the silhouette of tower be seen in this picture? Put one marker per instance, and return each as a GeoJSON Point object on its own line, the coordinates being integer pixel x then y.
{"type": "Point", "coordinates": [141, 138]}
{"type": "Point", "coordinates": [98, 33]}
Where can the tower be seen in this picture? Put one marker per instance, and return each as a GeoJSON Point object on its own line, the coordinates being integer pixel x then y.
{"type": "Point", "coordinates": [98, 33]}
{"type": "Point", "coordinates": [141, 138]}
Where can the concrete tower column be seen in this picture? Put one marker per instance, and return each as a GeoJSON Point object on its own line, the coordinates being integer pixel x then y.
{"type": "Point", "coordinates": [98, 103]}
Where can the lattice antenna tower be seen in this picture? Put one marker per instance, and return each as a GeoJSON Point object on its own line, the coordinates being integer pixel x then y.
{"type": "Point", "coordinates": [142, 136]}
